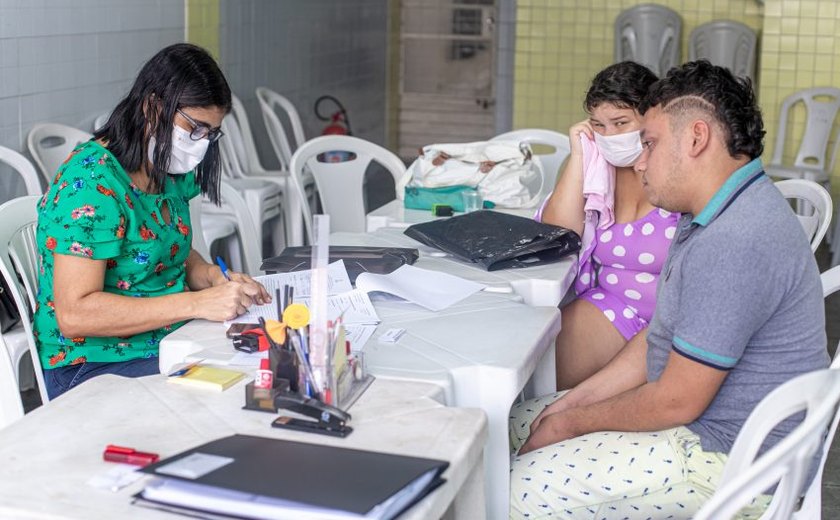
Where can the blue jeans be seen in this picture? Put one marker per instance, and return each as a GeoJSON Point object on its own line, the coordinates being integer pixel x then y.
{"type": "Point", "coordinates": [62, 379]}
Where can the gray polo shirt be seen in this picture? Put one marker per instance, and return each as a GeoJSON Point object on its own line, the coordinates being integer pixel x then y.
{"type": "Point", "coordinates": [740, 291]}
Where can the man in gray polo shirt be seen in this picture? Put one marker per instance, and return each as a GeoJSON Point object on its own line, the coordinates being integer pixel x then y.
{"type": "Point", "coordinates": [739, 311]}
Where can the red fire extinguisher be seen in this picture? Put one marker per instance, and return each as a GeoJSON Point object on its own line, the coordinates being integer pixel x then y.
{"type": "Point", "coordinates": [339, 125]}
{"type": "Point", "coordinates": [339, 122]}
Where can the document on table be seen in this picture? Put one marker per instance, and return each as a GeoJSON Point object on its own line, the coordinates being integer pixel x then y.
{"type": "Point", "coordinates": [338, 281]}
{"type": "Point", "coordinates": [353, 306]}
{"type": "Point", "coordinates": [430, 289]}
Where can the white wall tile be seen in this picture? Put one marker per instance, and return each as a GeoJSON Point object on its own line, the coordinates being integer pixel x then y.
{"type": "Point", "coordinates": [70, 60]}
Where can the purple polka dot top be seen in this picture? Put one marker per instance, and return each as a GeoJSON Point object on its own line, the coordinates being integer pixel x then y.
{"type": "Point", "coordinates": [626, 260]}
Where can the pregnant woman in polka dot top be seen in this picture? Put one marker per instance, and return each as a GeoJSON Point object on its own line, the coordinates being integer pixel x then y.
{"type": "Point", "coordinates": [619, 269]}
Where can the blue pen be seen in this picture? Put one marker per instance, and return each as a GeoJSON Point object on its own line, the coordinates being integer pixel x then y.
{"type": "Point", "coordinates": [223, 267]}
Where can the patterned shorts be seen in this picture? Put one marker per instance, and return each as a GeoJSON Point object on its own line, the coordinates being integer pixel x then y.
{"type": "Point", "coordinates": [613, 475]}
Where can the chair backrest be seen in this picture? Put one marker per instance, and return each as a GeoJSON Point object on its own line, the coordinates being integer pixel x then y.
{"type": "Point", "coordinates": [233, 162]}
{"type": "Point", "coordinates": [49, 144]}
{"type": "Point", "coordinates": [11, 407]}
{"type": "Point", "coordinates": [649, 34]}
{"type": "Point", "coordinates": [284, 147]}
{"type": "Point", "coordinates": [100, 120]}
{"type": "Point", "coordinates": [19, 256]}
{"type": "Point", "coordinates": [24, 168]}
{"type": "Point", "coordinates": [552, 161]}
{"type": "Point", "coordinates": [340, 184]}
{"type": "Point", "coordinates": [821, 104]}
{"type": "Point", "coordinates": [812, 501]}
{"type": "Point", "coordinates": [249, 239]}
{"type": "Point", "coordinates": [787, 463]}
{"type": "Point", "coordinates": [246, 148]}
{"type": "Point", "coordinates": [726, 43]}
{"type": "Point", "coordinates": [818, 199]}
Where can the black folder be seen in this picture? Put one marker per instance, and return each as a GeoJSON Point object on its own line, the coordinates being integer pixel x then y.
{"type": "Point", "coordinates": [327, 477]}
{"type": "Point", "coordinates": [495, 240]}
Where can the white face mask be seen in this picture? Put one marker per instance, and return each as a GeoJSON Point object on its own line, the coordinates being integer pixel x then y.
{"type": "Point", "coordinates": [620, 150]}
{"type": "Point", "coordinates": [185, 154]}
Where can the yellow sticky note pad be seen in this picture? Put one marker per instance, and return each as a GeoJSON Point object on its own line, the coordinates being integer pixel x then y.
{"type": "Point", "coordinates": [208, 377]}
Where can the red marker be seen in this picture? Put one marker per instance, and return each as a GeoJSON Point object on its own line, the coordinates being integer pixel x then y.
{"type": "Point", "coordinates": [128, 455]}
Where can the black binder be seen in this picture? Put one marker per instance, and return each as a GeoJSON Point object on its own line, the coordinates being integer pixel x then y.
{"type": "Point", "coordinates": [321, 476]}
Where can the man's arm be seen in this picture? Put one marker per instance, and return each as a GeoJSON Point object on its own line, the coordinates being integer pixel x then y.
{"type": "Point", "coordinates": [682, 393]}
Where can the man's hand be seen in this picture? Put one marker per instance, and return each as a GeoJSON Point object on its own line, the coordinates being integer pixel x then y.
{"type": "Point", "coordinates": [551, 429]}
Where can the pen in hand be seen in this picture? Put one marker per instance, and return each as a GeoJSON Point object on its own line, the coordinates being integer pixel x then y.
{"type": "Point", "coordinates": [223, 266]}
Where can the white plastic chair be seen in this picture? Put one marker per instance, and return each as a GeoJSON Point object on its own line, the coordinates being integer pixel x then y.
{"type": "Point", "coordinates": [11, 407]}
{"type": "Point", "coordinates": [726, 43]}
{"type": "Point", "coordinates": [24, 168]}
{"type": "Point", "coordinates": [249, 240]}
{"type": "Point", "coordinates": [551, 162]}
{"type": "Point", "coordinates": [812, 162]}
{"type": "Point", "coordinates": [49, 144]}
{"type": "Point", "coordinates": [284, 147]}
{"type": "Point", "coordinates": [649, 34]}
{"type": "Point", "coordinates": [340, 184]}
{"type": "Point", "coordinates": [817, 201]}
{"type": "Point", "coordinates": [271, 104]}
{"type": "Point", "coordinates": [100, 120]}
{"type": "Point", "coordinates": [787, 463]}
{"type": "Point", "coordinates": [19, 256]}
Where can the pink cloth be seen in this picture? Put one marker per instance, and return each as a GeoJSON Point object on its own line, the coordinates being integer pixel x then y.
{"type": "Point", "coordinates": [599, 191]}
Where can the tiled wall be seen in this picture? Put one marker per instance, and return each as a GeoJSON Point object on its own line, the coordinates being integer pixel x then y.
{"type": "Point", "coordinates": [303, 50]}
{"type": "Point", "coordinates": [800, 49]}
{"type": "Point", "coordinates": [561, 44]}
{"type": "Point", "coordinates": [68, 61]}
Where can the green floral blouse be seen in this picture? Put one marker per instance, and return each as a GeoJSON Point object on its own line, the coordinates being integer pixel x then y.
{"type": "Point", "coordinates": [92, 209]}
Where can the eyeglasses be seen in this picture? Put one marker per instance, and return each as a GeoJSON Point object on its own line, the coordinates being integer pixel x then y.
{"type": "Point", "coordinates": [201, 130]}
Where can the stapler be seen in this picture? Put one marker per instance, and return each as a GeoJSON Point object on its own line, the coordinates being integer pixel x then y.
{"type": "Point", "coordinates": [329, 420]}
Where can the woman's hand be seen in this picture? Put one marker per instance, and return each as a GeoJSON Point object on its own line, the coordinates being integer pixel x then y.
{"type": "Point", "coordinates": [254, 288]}
{"type": "Point", "coordinates": [226, 301]}
{"type": "Point", "coordinates": [585, 128]}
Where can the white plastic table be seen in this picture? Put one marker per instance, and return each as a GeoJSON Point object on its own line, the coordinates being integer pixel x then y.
{"type": "Point", "coordinates": [394, 214]}
{"type": "Point", "coordinates": [47, 457]}
{"type": "Point", "coordinates": [482, 351]}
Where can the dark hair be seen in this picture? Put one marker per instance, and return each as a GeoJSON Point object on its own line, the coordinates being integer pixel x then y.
{"type": "Point", "coordinates": [699, 85]}
{"type": "Point", "coordinates": [178, 76]}
{"type": "Point", "coordinates": [624, 85]}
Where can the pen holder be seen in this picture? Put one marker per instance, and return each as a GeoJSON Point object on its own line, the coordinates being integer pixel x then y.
{"type": "Point", "coordinates": [284, 365]}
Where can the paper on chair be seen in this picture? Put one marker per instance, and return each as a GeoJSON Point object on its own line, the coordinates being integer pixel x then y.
{"type": "Point", "coordinates": [430, 289]}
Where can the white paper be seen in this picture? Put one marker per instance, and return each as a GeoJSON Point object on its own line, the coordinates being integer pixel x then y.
{"type": "Point", "coordinates": [391, 335]}
{"type": "Point", "coordinates": [430, 289]}
{"type": "Point", "coordinates": [358, 335]}
{"type": "Point", "coordinates": [247, 359]}
{"type": "Point", "coordinates": [194, 466]}
{"type": "Point", "coordinates": [338, 281]}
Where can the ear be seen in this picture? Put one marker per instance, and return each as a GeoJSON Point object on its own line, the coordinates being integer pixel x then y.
{"type": "Point", "coordinates": [699, 137]}
{"type": "Point", "coordinates": [152, 109]}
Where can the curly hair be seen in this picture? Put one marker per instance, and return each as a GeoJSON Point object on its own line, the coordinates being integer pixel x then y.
{"type": "Point", "coordinates": [623, 84]}
{"type": "Point", "coordinates": [181, 75]}
{"type": "Point", "coordinates": [728, 100]}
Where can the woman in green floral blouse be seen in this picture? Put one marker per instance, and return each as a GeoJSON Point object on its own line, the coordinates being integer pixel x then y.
{"type": "Point", "coordinates": [118, 272]}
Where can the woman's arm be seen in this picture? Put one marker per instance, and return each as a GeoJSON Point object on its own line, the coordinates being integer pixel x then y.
{"type": "Point", "coordinates": [83, 308]}
{"type": "Point", "coordinates": [565, 206]}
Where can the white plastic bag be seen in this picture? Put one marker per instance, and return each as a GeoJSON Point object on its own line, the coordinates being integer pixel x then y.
{"type": "Point", "coordinates": [505, 172]}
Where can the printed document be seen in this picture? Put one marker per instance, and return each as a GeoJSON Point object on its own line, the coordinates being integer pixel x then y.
{"type": "Point", "coordinates": [430, 289]}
